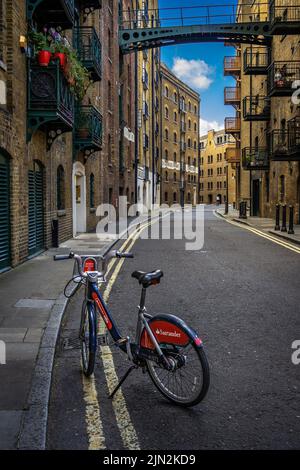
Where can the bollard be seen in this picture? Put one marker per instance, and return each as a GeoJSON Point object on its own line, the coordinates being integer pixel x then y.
{"type": "Point", "coordinates": [283, 228]}
{"type": "Point", "coordinates": [277, 226]}
{"type": "Point", "coordinates": [291, 221]}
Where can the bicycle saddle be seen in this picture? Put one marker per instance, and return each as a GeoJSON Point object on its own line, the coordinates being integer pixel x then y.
{"type": "Point", "coordinates": [148, 279]}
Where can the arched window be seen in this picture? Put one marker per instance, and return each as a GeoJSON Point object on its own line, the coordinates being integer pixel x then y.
{"type": "Point", "coordinates": [175, 197]}
{"type": "Point", "coordinates": [166, 92]}
{"type": "Point", "coordinates": [190, 106]}
{"type": "Point", "coordinates": [195, 126]}
{"type": "Point", "coordinates": [175, 177]}
{"type": "Point", "coordinates": [92, 191]}
{"type": "Point", "coordinates": [195, 145]}
{"type": "Point", "coordinates": [60, 182]}
{"type": "Point", "coordinates": [175, 97]}
{"type": "Point", "coordinates": [166, 154]}
{"type": "Point", "coordinates": [167, 177]}
{"type": "Point", "coordinates": [175, 156]}
{"type": "Point", "coordinates": [175, 137]}
{"type": "Point", "coordinates": [175, 116]}
{"type": "Point", "coordinates": [166, 134]}
{"type": "Point", "coordinates": [190, 123]}
{"type": "Point", "coordinates": [166, 112]}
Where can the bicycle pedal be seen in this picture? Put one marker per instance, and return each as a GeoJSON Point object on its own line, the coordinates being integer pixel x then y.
{"type": "Point", "coordinates": [103, 340]}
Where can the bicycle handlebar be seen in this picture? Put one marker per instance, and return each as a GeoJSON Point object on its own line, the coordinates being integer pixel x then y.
{"type": "Point", "coordinates": [105, 259]}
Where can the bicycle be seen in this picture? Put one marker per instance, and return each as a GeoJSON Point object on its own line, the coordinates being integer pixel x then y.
{"type": "Point", "coordinates": [165, 346]}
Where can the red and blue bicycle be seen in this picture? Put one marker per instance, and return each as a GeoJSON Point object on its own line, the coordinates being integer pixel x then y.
{"type": "Point", "coordinates": [169, 350]}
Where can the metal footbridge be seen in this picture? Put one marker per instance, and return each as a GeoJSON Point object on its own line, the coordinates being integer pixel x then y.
{"type": "Point", "coordinates": [230, 23]}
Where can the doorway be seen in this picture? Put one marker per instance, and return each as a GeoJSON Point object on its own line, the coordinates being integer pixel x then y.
{"type": "Point", "coordinates": [79, 199]}
{"type": "Point", "coordinates": [35, 209]}
{"type": "Point", "coordinates": [256, 198]}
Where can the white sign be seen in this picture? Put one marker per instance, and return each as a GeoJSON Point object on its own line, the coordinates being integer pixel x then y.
{"type": "Point", "coordinates": [128, 134]}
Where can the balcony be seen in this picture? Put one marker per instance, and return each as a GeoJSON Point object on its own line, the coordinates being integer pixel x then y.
{"type": "Point", "coordinates": [88, 45]}
{"type": "Point", "coordinates": [294, 136]}
{"type": "Point", "coordinates": [233, 155]}
{"type": "Point", "coordinates": [232, 65]}
{"type": "Point", "coordinates": [145, 79]}
{"type": "Point", "coordinates": [285, 144]}
{"type": "Point", "coordinates": [232, 96]}
{"type": "Point", "coordinates": [232, 125]}
{"type": "Point", "coordinates": [51, 12]}
{"type": "Point", "coordinates": [281, 77]}
{"type": "Point", "coordinates": [50, 101]}
{"type": "Point", "coordinates": [256, 108]}
{"type": "Point", "coordinates": [256, 61]}
{"type": "Point", "coordinates": [285, 16]}
{"type": "Point", "coordinates": [88, 129]}
{"type": "Point", "coordinates": [255, 159]}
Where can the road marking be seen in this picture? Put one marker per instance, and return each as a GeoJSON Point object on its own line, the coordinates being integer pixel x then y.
{"type": "Point", "coordinates": [287, 245]}
{"type": "Point", "coordinates": [93, 420]}
{"type": "Point", "coordinates": [92, 415]}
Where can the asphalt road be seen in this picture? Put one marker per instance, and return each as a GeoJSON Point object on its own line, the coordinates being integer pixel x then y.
{"type": "Point", "coordinates": [241, 293]}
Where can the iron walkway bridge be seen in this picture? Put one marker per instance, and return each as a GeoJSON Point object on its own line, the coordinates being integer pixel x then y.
{"type": "Point", "coordinates": [146, 29]}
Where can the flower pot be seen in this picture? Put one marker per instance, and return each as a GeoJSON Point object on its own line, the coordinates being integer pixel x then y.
{"type": "Point", "coordinates": [44, 58]}
{"type": "Point", "coordinates": [62, 58]}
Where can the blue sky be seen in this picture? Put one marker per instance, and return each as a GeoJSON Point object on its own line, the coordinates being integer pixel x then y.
{"type": "Point", "coordinates": [201, 65]}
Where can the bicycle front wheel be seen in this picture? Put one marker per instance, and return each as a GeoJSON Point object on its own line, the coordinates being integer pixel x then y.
{"type": "Point", "coordinates": [88, 337]}
{"type": "Point", "coordinates": [188, 381]}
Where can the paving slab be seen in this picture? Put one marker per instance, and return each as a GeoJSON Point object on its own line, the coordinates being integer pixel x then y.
{"type": "Point", "coordinates": [10, 421]}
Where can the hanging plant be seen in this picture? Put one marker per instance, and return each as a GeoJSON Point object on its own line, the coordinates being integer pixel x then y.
{"type": "Point", "coordinates": [77, 75]}
{"type": "Point", "coordinates": [41, 47]}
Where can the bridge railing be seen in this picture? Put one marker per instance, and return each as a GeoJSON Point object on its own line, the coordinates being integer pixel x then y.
{"type": "Point", "coordinates": [192, 15]}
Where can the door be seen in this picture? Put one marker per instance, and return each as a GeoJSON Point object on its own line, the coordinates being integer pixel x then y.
{"type": "Point", "coordinates": [256, 190]}
{"type": "Point", "coordinates": [35, 210]}
{"type": "Point", "coordinates": [80, 204]}
{"type": "Point", "coordinates": [4, 213]}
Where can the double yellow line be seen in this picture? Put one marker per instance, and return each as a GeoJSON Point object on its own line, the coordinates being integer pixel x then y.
{"type": "Point", "coordinates": [267, 236]}
{"type": "Point", "coordinates": [95, 431]}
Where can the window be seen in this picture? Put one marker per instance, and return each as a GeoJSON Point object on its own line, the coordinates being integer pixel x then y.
{"type": "Point", "coordinates": [195, 145]}
{"type": "Point", "coordinates": [282, 188]}
{"type": "Point", "coordinates": [175, 97]}
{"type": "Point", "coordinates": [189, 143]}
{"type": "Point", "coordinates": [167, 176]}
{"type": "Point", "coordinates": [190, 106]}
{"type": "Point", "coordinates": [190, 123]}
{"type": "Point", "coordinates": [175, 116]}
{"type": "Point", "coordinates": [195, 109]}
{"type": "Point", "coordinates": [175, 177]}
{"type": "Point", "coordinates": [166, 112]}
{"type": "Point", "coordinates": [60, 188]}
{"type": "Point", "coordinates": [175, 197]}
{"type": "Point", "coordinates": [166, 92]}
{"type": "Point", "coordinates": [175, 138]}
{"type": "Point", "coordinates": [166, 155]}
{"type": "Point", "coordinates": [92, 190]}
{"type": "Point", "coordinates": [166, 197]}
{"type": "Point", "coordinates": [166, 134]}
{"type": "Point", "coordinates": [175, 156]}
{"type": "Point", "coordinates": [195, 126]}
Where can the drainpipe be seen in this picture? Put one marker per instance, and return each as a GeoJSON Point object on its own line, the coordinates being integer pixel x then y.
{"type": "Point", "coordinates": [136, 140]}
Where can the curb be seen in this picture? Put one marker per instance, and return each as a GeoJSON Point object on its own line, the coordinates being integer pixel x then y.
{"type": "Point", "coordinates": [33, 432]}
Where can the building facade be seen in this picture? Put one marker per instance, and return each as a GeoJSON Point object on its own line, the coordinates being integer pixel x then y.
{"type": "Point", "coordinates": [147, 111]}
{"type": "Point", "coordinates": [180, 115]}
{"type": "Point", "coordinates": [267, 121]}
{"type": "Point", "coordinates": [217, 176]}
{"type": "Point", "coordinates": [61, 155]}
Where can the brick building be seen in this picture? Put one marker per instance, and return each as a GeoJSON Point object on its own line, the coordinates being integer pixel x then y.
{"type": "Point", "coordinates": [60, 157]}
{"type": "Point", "coordinates": [217, 176]}
{"type": "Point", "coordinates": [147, 129]}
{"type": "Point", "coordinates": [267, 122]}
{"type": "Point", "coordinates": [180, 113]}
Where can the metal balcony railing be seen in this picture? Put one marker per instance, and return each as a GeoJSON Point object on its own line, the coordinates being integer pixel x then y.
{"type": "Point", "coordinates": [256, 108]}
{"type": "Point", "coordinates": [232, 65]}
{"type": "Point", "coordinates": [89, 49]}
{"type": "Point", "coordinates": [256, 61]}
{"type": "Point", "coordinates": [285, 143]}
{"type": "Point", "coordinates": [49, 95]}
{"type": "Point", "coordinates": [232, 125]}
{"type": "Point", "coordinates": [88, 128]}
{"type": "Point", "coordinates": [255, 158]}
{"type": "Point", "coordinates": [282, 76]}
{"type": "Point", "coordinates": [62, 15]}
{"type": "Point", "coordinates": [233, 155]}
{"type": "Point", "coordinates": [284, 15]}
{"type": "Point", "coordinates": [232, 95]}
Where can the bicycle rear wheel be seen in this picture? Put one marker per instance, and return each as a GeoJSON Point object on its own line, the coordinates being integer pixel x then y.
{"type": "Point", "coordinates": [88, 337]}
{"type": "Point", "coordinates": [188, 381]}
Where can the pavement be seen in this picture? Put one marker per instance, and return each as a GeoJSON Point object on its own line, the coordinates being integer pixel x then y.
{"type": "Point", "coordinates": [241, 293]}
{"type": "Point", "coordinates": [264, 224]}
{"type": "Point", "coordinates": [32, 305]}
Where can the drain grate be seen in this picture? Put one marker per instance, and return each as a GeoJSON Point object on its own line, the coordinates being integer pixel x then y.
{"type": "Point", "coordinates": [72, 342]}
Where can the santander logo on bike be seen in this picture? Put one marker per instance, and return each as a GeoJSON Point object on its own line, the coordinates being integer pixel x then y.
{"type": "Point", "coordinates": [173, 334]}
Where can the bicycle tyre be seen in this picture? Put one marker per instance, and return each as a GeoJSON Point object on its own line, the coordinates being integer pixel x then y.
{"type": "Point", "coordinates": [88, 339]}
{"type": "Point", "coordinates": [194, 393]}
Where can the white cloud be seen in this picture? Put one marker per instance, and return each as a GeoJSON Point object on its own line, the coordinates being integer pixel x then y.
{"type": "Point", "coordinates": [206, 126]}
{"type": "Point", "coordinates": [195, 73]}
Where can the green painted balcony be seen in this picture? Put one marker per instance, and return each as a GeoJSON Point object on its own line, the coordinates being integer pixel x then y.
{"type": "Point", "coordinates": [284, 16]}
{"type": "Point", "coordinates": [255, 158]}
{"type": "Point", "coordinates": [88, 129]}
{"type": "Point", "coordinates": [256, 108]}
{"type": "Point", "coordinates": [88, 45]}
{"type": "Point", "coordinates": [51, 12]}
{"type": "Point", "coordinates": [256, 61]}
{"type": "Point", "coordinates": [50, 101]}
